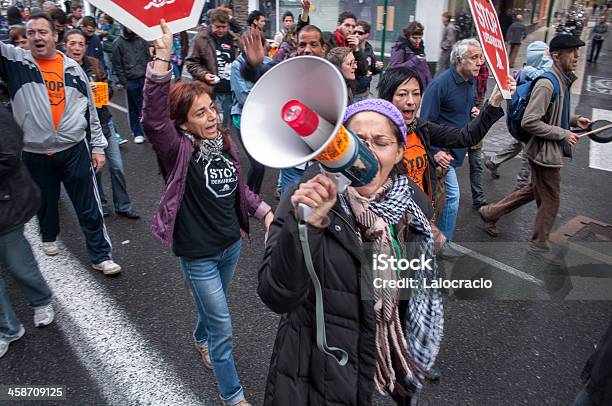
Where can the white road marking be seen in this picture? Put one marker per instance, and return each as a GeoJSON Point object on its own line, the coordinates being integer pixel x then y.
{"type": "Point", "coordinates": [600, 155]}
{"type": "Point", "coordinates": [118, 107]}
{"type": "Point", "coordinates": [128, 371]}
{"type": "Point", "coordinates": [499, 265]}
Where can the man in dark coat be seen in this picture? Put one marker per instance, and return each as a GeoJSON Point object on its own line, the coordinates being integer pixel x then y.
{"type": "Point", "coordinates": [597, 375]}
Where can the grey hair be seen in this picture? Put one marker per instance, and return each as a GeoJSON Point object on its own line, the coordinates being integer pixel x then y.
{"type": "Point", "coordinates": [460, 49]}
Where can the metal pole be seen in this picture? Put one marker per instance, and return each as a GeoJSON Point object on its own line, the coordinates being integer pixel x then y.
{"type": "Point", "coordinates": [384, 32]}
{"type": "Point", "coordinates": [550, 10]}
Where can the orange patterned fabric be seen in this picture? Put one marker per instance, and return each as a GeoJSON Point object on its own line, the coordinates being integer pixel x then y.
{"type": "Point", "coordinates": [415, 159]}
{"type": "Point", "coordinates": [53, 73]}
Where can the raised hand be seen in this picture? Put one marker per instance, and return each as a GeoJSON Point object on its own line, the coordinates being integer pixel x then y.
{"type": "Point", "coordinates": [253, 48]}
{"type": "Point", "coordinates": [163, 45]}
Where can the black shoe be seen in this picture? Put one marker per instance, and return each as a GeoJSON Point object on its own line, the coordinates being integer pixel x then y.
{"type": "Point", "coordinates": [130, 214]}
{"type": "Point", "coordinates": [477, 206]}
{"type": "Point", "coordinates": [105, 212]}
{"type": "Point", "coordinates": [491, 167]}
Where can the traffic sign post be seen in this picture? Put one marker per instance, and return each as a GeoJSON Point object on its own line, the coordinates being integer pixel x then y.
{"type": "Point", "coordinates": [142, 16]}
{"type": "Point", "coordinates": [492, 40]}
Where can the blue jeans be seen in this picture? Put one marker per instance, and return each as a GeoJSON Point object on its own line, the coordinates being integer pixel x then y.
{"type": "Point", "coordinates": [290, 177]}
{"type": "Point", "coordinates": [121, 199]}
{"type": "Point", "coordinates": [224, 105]}
{"type": "Point", "coordinates": [208, 278]}
{"type": "Point", "coordinates": [476, 159]}
{"type": "Point", "coordinates": [17, 259]}
{"type": "Point", "coordinates": [448, 218]}
{"type": "Point", "coordinates": [108, 61]}
{"type": "Point", "coordinates": [134, 92]}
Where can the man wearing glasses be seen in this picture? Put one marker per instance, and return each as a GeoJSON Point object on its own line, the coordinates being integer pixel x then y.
{"type": "Point", "coordinates": [362, 84]}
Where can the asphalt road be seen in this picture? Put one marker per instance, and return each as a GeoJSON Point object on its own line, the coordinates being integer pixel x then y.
{"type": "Point", "coordinates": [127, 339]}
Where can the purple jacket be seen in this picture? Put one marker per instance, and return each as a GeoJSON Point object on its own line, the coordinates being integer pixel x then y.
{"type": "Point", "coordinates": [403, 56]}
{"type": "Point", "coordinates": [174, 151]}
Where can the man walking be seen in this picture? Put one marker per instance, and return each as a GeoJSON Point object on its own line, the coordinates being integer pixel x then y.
{"type": "Point", "coordinates": [212, 52]}
{"type": "Point", "coordinates": [362, 82]}
{"type": "Point", "coordinates": [130, 58]}
{"type": "Point", "coordinates": [598, 36]}
{"type": "Point", "coordinates": [450, 99]}
{"type": "Point", "coordinates": [548, 120]}
{"type": "Point", "coordinates": [515, 36]}
{"type": "Point", "coordinates": [53, 103]}
{"type": "Point", "coordinates": [449, 37]}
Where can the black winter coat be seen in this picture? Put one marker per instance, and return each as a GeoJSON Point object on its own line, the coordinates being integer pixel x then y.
{"type": "Point", "coordinates": [300, 374]}
{"type": "Point", "coordinates": [130, 58]}
{"type": "Point", "coordinates": [443, 136]}
{"type": "Point", "coordinates": [19, 195]}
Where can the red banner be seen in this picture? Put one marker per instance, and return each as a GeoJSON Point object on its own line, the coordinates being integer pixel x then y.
{"type": "Point", "coordinates": [492, 40]}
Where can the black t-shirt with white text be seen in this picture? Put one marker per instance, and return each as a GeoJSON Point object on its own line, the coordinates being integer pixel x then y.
{"type": "Point", "coordinates": [223, 49]}
{"type": "Point", "coordinates": [207, 222]}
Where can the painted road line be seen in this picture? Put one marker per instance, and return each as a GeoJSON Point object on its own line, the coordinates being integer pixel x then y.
{"type": "Point", "coordinates": [600, 155]}
{"type": "Point", "coordinates": [499, 265]}
{"type": "Point", "coordinates": [126, 369]}
{"type": "Point", "coordinates": [118, 107]}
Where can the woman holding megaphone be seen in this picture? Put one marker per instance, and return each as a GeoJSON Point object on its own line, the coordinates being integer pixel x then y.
{"type": "Point", "coordinates": [383, 348]}
{"type": "Point", "coordinates": [204, 208]}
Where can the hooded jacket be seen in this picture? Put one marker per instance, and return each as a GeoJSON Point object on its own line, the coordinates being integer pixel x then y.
{"type": "Point", "coordinates": [32, 111]}
{"type": "Point", "coordinates": [403, 55]}
{"type": "Point", "coordinates": [130, 57]}
{"type": "Point", "coordinates": [537, 63]}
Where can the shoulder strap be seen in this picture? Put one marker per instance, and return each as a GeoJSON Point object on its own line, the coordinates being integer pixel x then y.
{"type": "Point", "coordinates": [556, 86]}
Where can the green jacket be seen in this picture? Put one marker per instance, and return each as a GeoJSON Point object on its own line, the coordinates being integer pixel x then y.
{"type": "Point", "coordinates": [110, 37]}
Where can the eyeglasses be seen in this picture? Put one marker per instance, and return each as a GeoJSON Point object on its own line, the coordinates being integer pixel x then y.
{"type": "Point", "coordinates": [359, 32]}
{"type": "Point", "coordinates": [378, 143]}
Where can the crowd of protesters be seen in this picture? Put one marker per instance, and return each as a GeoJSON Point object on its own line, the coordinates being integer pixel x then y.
{"type": "Point", "coordinates": [57, 135]}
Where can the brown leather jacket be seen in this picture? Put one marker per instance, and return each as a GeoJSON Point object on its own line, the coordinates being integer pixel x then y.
{"type": "Point", "coordinates": [202, 57]}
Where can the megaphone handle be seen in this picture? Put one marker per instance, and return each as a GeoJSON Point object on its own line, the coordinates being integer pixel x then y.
{"type": "Point", "coordinates": [338, 354]}
{"type": "Point", "coordinates": [342, 182]}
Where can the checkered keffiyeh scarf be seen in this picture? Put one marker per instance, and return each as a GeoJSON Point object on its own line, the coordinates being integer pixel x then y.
{"type": "Point", "coordinates": [373, 217]}
{"type": "Point", "coordinates": [425, 312]}
{"type": "Point", "coordinates": [402, 357]}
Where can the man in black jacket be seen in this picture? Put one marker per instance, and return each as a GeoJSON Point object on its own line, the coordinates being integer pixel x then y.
{"type": "Point", "coordinates": [362, 82]}
{"type": "Point", "coordinates": [19, 201]}
{"type": "Point", "coordinates": [130, 58]}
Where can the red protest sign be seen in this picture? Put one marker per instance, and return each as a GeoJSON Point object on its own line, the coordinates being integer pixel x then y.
{"type": "Point", "coordinates": [492, 40]}
{"type": "Point", "coordinates": [142, 16]}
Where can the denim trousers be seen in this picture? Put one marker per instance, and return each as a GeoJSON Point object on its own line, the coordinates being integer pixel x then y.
{"type": "Point", "coordinates": [448, 218]}
{"type": "Point", "coordinates": [108, 61]}
{"type": "Point", "coordinates": [134, 92]}
{"type": "Point", "coordinates": [290, 177]}
{"type": "Point", "coordinates": [257, 171]}
{"type": "Point", "coordinates": [476, 158]}
{"type": "Point", "coordinates": [223, 102]}
{"type": "Point", "coordinates": [121, 199]}
{"type": "Point", "coordinates": [17, 259]}
{"type": "Point", "coordinates": [208, 278]}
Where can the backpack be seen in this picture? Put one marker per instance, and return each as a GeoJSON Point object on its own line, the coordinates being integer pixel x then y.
{"type": "Point", "coordinates": [519, 102]}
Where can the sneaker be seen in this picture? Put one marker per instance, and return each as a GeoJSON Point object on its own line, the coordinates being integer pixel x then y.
{"type": "Point", "coordinates": [108, 267]}
{"type": "Point", "coordinates": [105, 212]}
{"type": "Point", "coordinates": [43, 316]}
{"type": "Point", "coordinates": [120, 139]}
{"type": "Point", "coordinates": [490, 226]}
{"type": "Point", "coordinates": [4, 343]}
{"type": "Point", "coordinates": [50, 248]}
{"type": "Point", "coordinates": [491, 167]}
{"type": "Point", "coordinates": [130, 214]}
{"type": "Point", "coordinates": [139, 139]}
{"type": "Point", "coordinates": [205, 356]}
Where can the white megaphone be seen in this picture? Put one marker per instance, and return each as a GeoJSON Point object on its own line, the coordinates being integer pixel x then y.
{"type": "Point", "coordinates": [294, 115]}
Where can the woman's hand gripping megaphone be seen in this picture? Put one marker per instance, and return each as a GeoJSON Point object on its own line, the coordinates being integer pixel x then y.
{"type": "Point", "coordinates": [319, 193]}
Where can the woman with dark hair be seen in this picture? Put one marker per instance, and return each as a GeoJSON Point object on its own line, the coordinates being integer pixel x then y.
{"type": "Point", "coordinates": [403, 88]}
{"type": "Point", "coordinates": [386, 351]}
{"type": "Point", "coordinates": [13, 17]}
{"type": "Point", "coordinates": [344, 59]}
{"type": "Point", "coordinates": [409, 52]}
{"type": "Point", "coordinates": [204, 208]}
{"type": "Point", "coordinates": [18, 37]}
